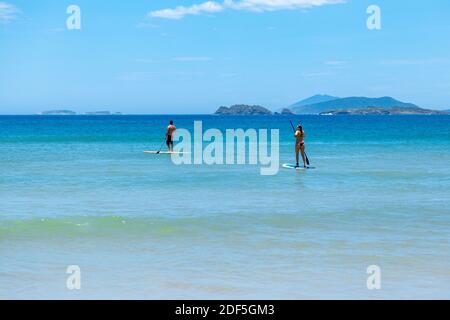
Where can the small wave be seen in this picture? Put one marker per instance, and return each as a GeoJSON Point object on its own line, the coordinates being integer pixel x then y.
{"type": "Point", "coordinates": [117, 226]}
{"type": "Point", "coordinates": [103, 226]}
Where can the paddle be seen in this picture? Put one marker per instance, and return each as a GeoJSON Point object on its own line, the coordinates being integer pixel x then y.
{"type": "Point", "coordinates": [293, 128]}
{"type": "Point", "coordinates": [160, 149]}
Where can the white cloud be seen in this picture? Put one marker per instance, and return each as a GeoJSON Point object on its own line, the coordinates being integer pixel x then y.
{"type": "Point", "coordinates": [7, 12]}
{"type": "Point", "coordinates": [247, 5]}
{"type": "Point", "coordinates": [275, 5]}
{"type": "Point", "coordinates": [180, 12]}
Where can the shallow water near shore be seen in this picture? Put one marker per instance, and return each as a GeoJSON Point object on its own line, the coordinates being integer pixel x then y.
{"type": "Point", "coordinates": [80, 191]}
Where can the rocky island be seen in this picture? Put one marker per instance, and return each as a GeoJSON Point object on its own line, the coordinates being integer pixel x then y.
{"type": "Point", "coordinates": [243, 110]}
{"type": "Point", "coordinates": [286, 112]}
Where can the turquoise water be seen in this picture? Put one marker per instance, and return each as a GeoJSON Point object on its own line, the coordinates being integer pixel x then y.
{"type": "Point", "coordinates": [80, 191]}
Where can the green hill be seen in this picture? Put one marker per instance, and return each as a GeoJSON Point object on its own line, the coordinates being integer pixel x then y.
{"type": "Point", "coordinates": [384, 111]}
{"type": "Point", "coordinates": [319, 98]}
{"type": "Point", "coordinates": [352, 103]}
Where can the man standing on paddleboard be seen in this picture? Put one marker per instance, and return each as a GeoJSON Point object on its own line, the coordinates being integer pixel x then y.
{"type": "Point", "coordinates": [300, 146]}
{"type": "Point", "coordinates": [169, 136]}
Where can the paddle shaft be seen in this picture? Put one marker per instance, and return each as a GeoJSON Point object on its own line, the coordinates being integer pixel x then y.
{"type": "Point", "coordinates": [160, 148]}
{"type": "Point", "coordinates": [306, 156]}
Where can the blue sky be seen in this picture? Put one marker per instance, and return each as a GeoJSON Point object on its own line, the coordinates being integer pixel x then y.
{"type": "Point", "coordinates": [149, 57]}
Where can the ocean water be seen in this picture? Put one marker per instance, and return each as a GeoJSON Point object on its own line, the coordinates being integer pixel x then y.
{"type": "Point", "coordinates": [80, 191]}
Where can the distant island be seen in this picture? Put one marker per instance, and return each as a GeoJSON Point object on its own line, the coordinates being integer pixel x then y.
{"type": "Point", "coordinates": [286, 111]}
{"type": "Point", "coordinates": [58, 113]}
{"type": "Point", "coordinates": [330, 105]}
{"type": "Point", "coordinates": [73, 113]}
{"type": "Point", "coordinates": [319, 98]}
{"type": "Point", "coordinates": [243, 110]}
{"type": "Point", "coordinates": [384, 111]}
{"type": "Point", "coordinates": [102, 113]}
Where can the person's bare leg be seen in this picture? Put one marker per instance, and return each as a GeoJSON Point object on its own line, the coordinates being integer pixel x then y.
{"type": "Point", "coordinates": [304, 157]}
{"type": "Point", "coordinates": [297, 155]}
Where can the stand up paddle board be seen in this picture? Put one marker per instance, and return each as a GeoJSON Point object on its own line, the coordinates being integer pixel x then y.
{"type": "Point", "coordinates": [294, 167]}
{"type": "Point", "coordinates": [165, 152]}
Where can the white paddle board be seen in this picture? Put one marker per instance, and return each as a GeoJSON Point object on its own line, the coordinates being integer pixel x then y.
{"type": "Point", "coordinates": [294, 167]}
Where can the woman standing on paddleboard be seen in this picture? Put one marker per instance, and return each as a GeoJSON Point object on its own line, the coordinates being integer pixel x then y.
{"type": "Point", "coordinates": [300, 145]}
